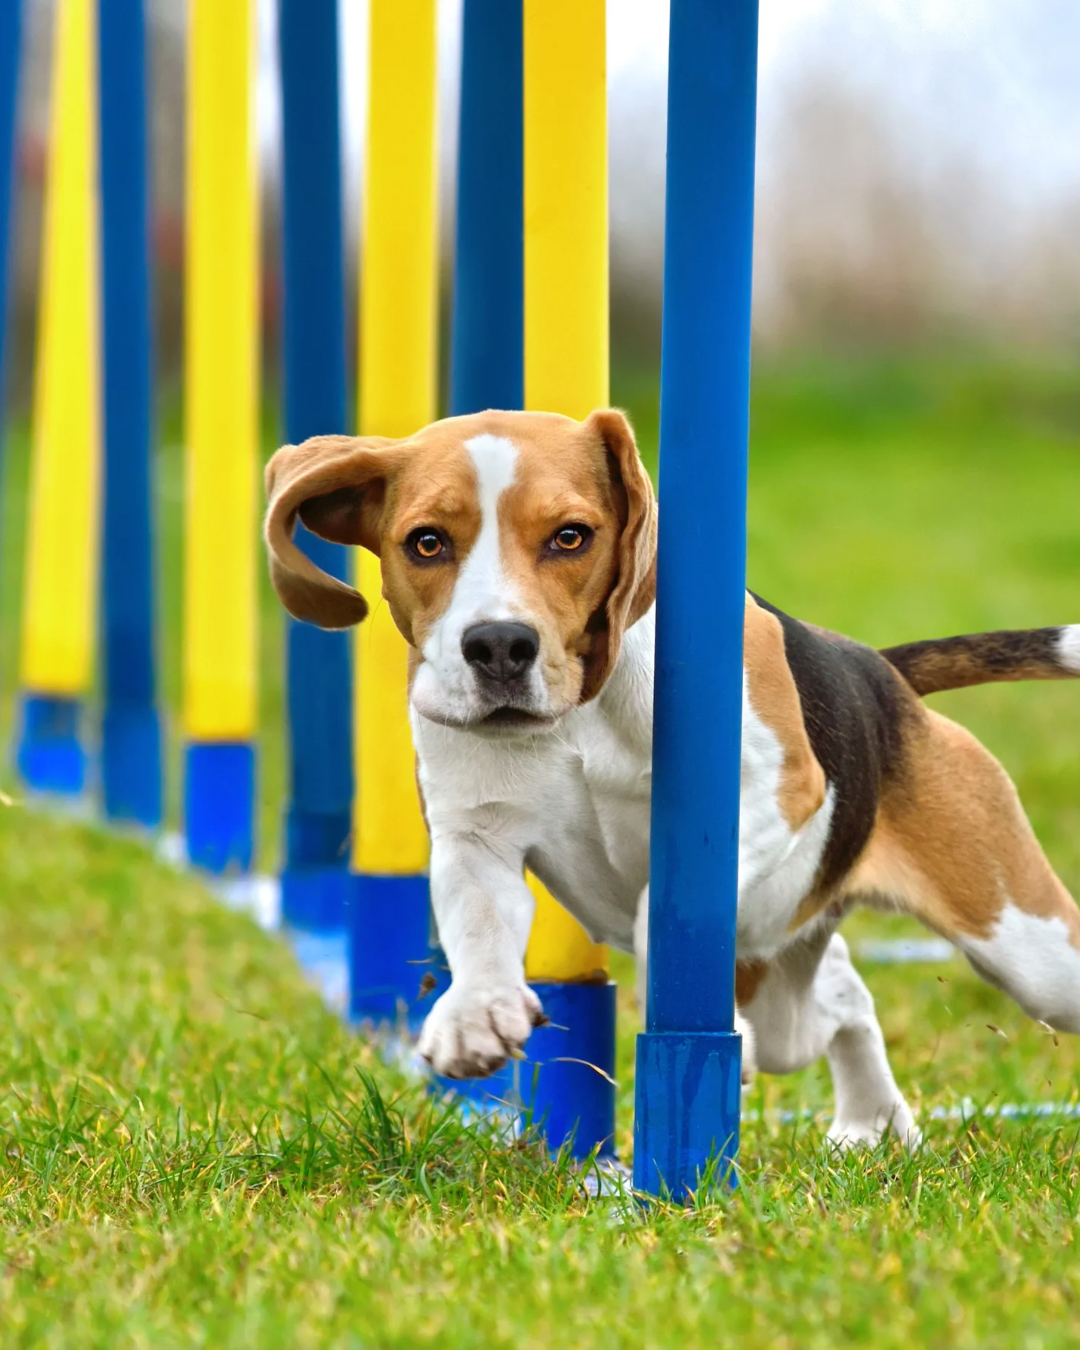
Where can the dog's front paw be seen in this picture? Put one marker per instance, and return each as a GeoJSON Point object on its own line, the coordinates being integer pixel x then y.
{"type": "Point", "coordinates": [471, 1032]}
{"type": "Point", "coordinates": [847, 1134]}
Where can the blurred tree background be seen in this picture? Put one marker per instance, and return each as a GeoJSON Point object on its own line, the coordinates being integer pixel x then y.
{"type": "Point", "coordinates": [915, 418]}
{"type": "Point", "coordinates": [919, 175]}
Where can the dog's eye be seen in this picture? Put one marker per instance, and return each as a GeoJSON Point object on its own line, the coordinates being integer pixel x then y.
{"type": "Point", "coordinates": [571, 538]}
{"type": "Point", "coordinates": [427, 543]}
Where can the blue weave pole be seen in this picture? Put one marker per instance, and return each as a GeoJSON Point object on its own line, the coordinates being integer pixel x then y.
{"type": "Point", "coordinates": [10, 43]}
{"type": "Point", "coordinates": [688, 1060]}
{"type": "Point", "coordinates": [389, 936]}
{"type": "Point", "coordinates": [131, 774]}
{"type": "Point", "coordinates": [315, 880]}
{"type": "Point", "coordinates": [487, 359]}
{"type": "Point", "coordinates": [10, 34]}
{"type": "Point", "coordinates": [219, 789]}
{"type": "Point", "coordinates": [50, 755]}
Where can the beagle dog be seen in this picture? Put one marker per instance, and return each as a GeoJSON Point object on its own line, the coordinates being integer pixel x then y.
{"type": "Point", "coordinates": [518, 556]}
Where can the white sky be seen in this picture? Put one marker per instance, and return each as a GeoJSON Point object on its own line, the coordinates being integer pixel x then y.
{"type": "Point", "coordinates": [994, 81]}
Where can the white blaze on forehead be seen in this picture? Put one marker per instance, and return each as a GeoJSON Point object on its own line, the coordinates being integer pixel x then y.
{"type": "Point", "coordinates": [495, 461]}
{"type": "Point", "coordinates": [482, 592]}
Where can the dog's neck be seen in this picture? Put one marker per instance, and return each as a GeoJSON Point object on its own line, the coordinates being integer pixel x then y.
{"type": "Point", "coordinates": [626, 699]}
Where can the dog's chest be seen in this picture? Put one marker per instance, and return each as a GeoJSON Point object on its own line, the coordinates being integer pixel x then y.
{"type": "Point", "coordinates": [594, 850]}
{"type": "Point", "coordinates": [592, 846]}
{"type": "Point", "coordinates": [577, 802]}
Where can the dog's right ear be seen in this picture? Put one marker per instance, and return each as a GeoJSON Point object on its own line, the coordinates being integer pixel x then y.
{"type": "Point", "coordinates": [337, 486]}
{"type": "Point", "coordinates": [634, 588]}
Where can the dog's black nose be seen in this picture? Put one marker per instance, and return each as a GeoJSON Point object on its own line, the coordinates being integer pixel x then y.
{"type": "Point", "coordinates": [500, 651]}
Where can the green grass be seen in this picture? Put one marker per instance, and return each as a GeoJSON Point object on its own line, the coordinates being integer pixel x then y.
{"type": "Point", "coordinates": [196, 1153]}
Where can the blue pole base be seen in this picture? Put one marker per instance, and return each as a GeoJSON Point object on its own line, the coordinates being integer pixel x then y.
{"type": "Point", "coordinates": [315, 882]}
{"type": "Point", "coordinates": [131, 764]}
{"type": "Point", "coordinates": [388, 923]}
{"type": "Point", "coordinates": [571, 1102]}
{"type": "Point", "coordinates": [219, 805]}
{"type": "Point", "coordinates": [324, 960]}
{"type": "Point", "coordinates": [50, 756]}
{"type": "Point", "coordinates": [686, 1111]}
{"type": "Point", "coordinates": [313, 899]}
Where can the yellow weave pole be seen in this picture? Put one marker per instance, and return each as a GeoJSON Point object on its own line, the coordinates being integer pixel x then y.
{"type": "Point", "coordinates": [398, 386]}
{"type": "Point", "coordinates": [60, 598]}
{"type": "Point", "coordinates": [221, 413]}
{"type": "Point", "coordinates": [566, 300]}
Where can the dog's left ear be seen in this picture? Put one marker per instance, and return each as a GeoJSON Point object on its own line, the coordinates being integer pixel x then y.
{"type": "Point", "coordinates": [336, 485]}
{"type": "Point", "coordinates": [634, 587]}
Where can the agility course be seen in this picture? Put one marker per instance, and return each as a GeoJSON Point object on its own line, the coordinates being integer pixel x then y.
{"type": "Point", "coordinates": [197, 1149]}
{"type": "Point", "coordinates": [529, 329]}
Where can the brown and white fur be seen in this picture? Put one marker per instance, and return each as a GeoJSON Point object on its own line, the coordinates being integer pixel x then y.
{"type": "Point", "coordinates": [538, 756]}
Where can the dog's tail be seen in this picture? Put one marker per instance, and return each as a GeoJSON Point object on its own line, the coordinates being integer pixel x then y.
{"type": "Point", "coordinates": [988, 658]}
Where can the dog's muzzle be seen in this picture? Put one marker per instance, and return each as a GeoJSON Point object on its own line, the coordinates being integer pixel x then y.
{"type": "Point", "coordinates": [500, 654]}
{"type": "Point", "coordinates": [502, 658]}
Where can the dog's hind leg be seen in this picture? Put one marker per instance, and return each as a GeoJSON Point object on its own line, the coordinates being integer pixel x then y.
{"type": "Point", "coordinates": [810, 1001]}
{"type": "Point", "coordinates": [956, 849]}
{"type": "Point", "coordinates": [641, 951]}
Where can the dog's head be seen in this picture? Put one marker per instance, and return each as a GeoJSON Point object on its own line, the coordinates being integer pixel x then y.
{"type": "Point", "coordinates": [516, 549]}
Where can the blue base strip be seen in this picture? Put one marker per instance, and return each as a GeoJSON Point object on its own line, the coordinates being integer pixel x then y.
{"type": "Point", "coordinates": [686, 1110]}
{"type": "Point", "coordinates": [560, 1088]}
{"type": "Point", "coordinates": [219, 805]}
{"type": "Point", "coordinates": [131, 764]}
{"type": "Point", "coordinates": [313, 899]}
{"type": "Point", "coordinates": [50, 756]}
{"type": "Point", "coordinates": [323, 957]}
{"type": "Point", "coordinates": [388, 921]}
{"type": "Point", "coordinates": [315, 882]}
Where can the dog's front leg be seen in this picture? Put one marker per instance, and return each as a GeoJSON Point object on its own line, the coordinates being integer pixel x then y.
{"type": "Point", "coordinates": [484, 912]}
